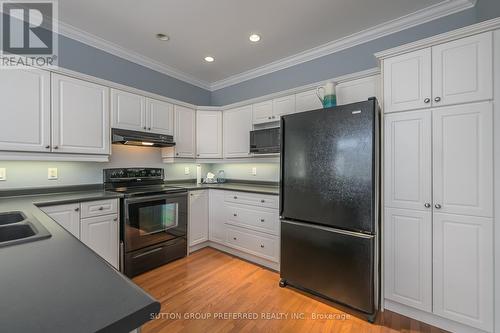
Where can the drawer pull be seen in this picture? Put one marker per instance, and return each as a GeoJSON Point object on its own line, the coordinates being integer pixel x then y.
{"type": "Point", "coordinates": [263, 201]}
{"type": "Point", "coordinates": [235, 238]}
{"type": "Point", "coordinates": [235, 197]}
{"type": "Point", "coordinates": [77, 209]}
{"type": "Point", "coordinates": [115, 219]}
{"type": "Point", "coordinates": [101, 208]}
{"type": "Point", "coordinates": [262, 220]}
{"type": "Point", "coordinates": [235, 215]}
{"type": "Point", "coordinates": [262, 245]}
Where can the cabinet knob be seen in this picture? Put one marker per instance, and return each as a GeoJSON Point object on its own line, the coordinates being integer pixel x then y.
{"type": "Point", "coordinates": [427, 100]}
{"type": "Point", "coordinates": [176, 154]}
{"type": "Point", "coordinates": [274, 117]}
{"type": "Point", "coordinates": [235, 197]}
{"type": "Point", "coordinates": [427, 205]}
{"type": "Point", "coordinates": [437, 99]}
{"type": "Point", "coordinates": [145, 127]}
{"type": "Point", "coordinates": [262, 245]}
{"type": "Point", "coordinates": [262, 220]}
{"type": "Point", "coordinates": [269, 118]}
{"type": "Point", "coordinates": [47, 147]}
{"type": "Point", "coordinates": [115, 219]}
{"type": "Point", "coordinates": [101, 208]}
{"type": "Point", "coordinates": [234, 238]}
{"type": "Point", "coordinates": [197, 154]}
{"type": "Point", "coordinates": [235, 215]}
{"type": "Point", "coordinates": [438, 206]}
{"type": "Point", "coordinates": [149, 128]}
{"type": "Point", "coordinates": [263, 201]}
{"type": "Point", "coordinates": [56, 147]}
{"type": "Point", "coordinates": [77, 209]}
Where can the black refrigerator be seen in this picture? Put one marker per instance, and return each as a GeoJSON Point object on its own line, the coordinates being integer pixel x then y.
{"type": "Point", "coordinates": [329, 204]}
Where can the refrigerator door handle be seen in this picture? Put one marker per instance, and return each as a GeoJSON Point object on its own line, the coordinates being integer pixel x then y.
{"type": "Point", "coordinates": [338, 231]}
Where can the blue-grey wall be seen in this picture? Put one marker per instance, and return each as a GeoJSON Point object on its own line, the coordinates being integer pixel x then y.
{"type": "Point", "coordinates": [351, 60]}
{"type": "Point", "coordinates": [89, 60]}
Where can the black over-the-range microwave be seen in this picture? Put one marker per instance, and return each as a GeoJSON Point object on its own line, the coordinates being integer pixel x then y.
{"type": "Point", "coordinates": [265, 141]}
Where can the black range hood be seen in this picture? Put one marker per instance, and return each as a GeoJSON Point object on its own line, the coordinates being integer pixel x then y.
{"type": "Point", "coordinates": [143, 139]}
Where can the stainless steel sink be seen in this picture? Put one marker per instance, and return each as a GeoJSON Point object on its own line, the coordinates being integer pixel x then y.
{"type": "Point", "coordinates": [11, 217]}
{"type": "Point", "coordinates": [16, 228]}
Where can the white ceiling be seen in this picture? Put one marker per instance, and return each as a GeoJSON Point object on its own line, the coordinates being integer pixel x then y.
{"type": "Point", "coordinates": [220, 28]}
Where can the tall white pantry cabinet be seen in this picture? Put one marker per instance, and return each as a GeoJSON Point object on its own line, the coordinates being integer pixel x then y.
{"type": "Point", "coordinates": [438, 225]}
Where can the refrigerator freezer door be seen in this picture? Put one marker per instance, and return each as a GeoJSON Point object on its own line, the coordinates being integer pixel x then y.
{"type": "Point", "coordinates": [328, 167]}
{"type": "Point", "coordinates": [333, 264]}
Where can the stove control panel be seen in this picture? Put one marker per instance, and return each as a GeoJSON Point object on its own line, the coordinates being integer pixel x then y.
{"type": "Point", "coordinates": [132, 174]}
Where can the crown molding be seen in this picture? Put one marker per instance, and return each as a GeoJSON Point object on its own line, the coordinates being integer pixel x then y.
{"type": "Point", "coordinates": [436, 11]}
{"type": "Point", "coordinates": [72, 32]}
{"type": "Point", "coordinates": [470, 30]}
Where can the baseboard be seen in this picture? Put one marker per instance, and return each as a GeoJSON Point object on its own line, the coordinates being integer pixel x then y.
{"type": "Point", "coordinates": [429, 318]}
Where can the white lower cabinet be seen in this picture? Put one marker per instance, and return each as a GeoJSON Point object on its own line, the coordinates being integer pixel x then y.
{"type": "Point", "coordinates": [95, 223]}
{"type": "Point", "coordinates": [216, 221]}
{"type": "Point", "coordinates": [67, 216]}
{"type": "Point", "coordinates": [198, 217]}
{"type": "Point", "coordinates": [252, 242]}
{"type": "Point", "coordinates": [408, 257]}
{"type": "Point", "coordinates": [101, 234]}
{"type": "Point", "coordinates": [463, 269]}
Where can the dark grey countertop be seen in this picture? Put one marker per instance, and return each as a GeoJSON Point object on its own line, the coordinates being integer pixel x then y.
{"type": "Point", "coordinates": [230, 186]}
{"type": "Point", "coordinates": [60, 285]}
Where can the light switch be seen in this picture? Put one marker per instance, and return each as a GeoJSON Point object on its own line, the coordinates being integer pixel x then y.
{"type": "Point", "coordinates": [52, 173]}
{"type": "Point", "coordinates": [187, 171]}
{"type": "Point", "coordinates": [254, 171]}
{"type": "Point", "coordinates": [3, 174]}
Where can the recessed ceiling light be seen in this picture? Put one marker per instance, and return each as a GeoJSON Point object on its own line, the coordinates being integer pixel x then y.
{"type": "Point", "coordinates": [254, 38]}
{"type": "Point", "coordinates": [162, 37]}
{"type": "Point", "coordinates": [209, 59]}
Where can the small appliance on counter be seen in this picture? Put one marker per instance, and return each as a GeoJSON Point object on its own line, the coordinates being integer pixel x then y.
{"type": "Point", "coordinates": [153, 218]}
{"type": "Point", "coordinates": [210, 179]}
{"type": "Point", "coordinates": [221, 176]}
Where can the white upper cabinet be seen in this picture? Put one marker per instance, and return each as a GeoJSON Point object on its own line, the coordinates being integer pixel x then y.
{"type": "Point", "coordinates": [128, 110]}
{"type": "Point", "coordinates": [407, 81]}
{"type": "Point", "coordinates": [408, 160]}
{"type": "Point", "coordinates": [358, 90]}
{"type": "Point", "coordinates": [237, 127]}
{"type": "Point", "coordinates": [67, 216]}
{"type": "Point", "coordinates": [198, 217]}
{"type": "Point", "coordinates": [408, 257]}
{"type": "Point", "coordinates": [160, 117]}
{"type": "Point", "coordinates": [208, 134]}
{"type": "Point", "coordinates": [463, 269]}
{"type": "Point", "coordinates": [263, 112]}
{"type": "Point", "coordinates": [462, 70]}
{"type": "Point", "coordinates": [463, 159]}
{"type": "Point", "coordinates": [307, 101]}
{"type": "Point", "coordinates": [184, 132]}
{"type": "Point", "coordinates": [25, 110]}
{"type": "Point", "coordinates": [283, 105]}
{"type": "Point", "coordinates": [80, 116]}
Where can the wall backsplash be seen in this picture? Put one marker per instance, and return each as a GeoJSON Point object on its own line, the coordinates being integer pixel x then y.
{"type": "Point", "coordinates": [27, 174]}
{"type": "Point", "coordinates": [243, 171]}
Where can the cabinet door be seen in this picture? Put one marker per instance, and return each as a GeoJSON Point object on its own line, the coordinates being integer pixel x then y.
{"type": "Point", "coordinates": [67, 216]}
{"type": "Point", "coordinates": [80, 116]}
{"type": "Point", "coordinates": [160, 117]}
{"type": "Point", "coordinates": [463, 269]}
{"type": "Point", "coordinates": [209, 134]}
{"type": "Point", "coordinates": [25, 112]}
{"type": "Point", "coordinates": [462, 70]}
{"type": "Point", "coordinates": [101, 234]}
{"type": "Point", "coordinates": [463, 159]}
{"type": "Point", "coordinates": [198, 217]}
{"type": "Point", "coordinates": [282, 106]}
{"type": "Point", "coordinates": [217, 231]}
{"type": "Point", "coordinates": [184, 132]}
{"type": "Point", "coordinates": [128, 110]}
{"type": "Point", "coordinates": [408, 257]}
{"type": "Point", "coordinates": [237, 127]}
{"type": "Point", "coordinates": [407, 81]}
{"type": "Point", "coordinates": [307, 101]}
{"type": "Point", "coordinates": [263, 112]}
{"type": "Point", "coordinates": [358, 90]}
{"type": "Point", "coordinates": [408, 160]}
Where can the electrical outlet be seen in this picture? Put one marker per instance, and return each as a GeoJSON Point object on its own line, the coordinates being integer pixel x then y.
{"type": "Point", "coordinates": [3, 174]}
{"type": "Point", "coordinates": [187, 171]}
{"type": "Point", "coordinates": [52, 174]}
{"type": "Point", "coordinates": [254, 171]}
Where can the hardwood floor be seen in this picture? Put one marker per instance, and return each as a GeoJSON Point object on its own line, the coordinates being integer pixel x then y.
{"type": "Point", "coordinates": [210, 291]}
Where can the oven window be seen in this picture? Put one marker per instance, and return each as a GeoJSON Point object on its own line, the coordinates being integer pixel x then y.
{"type": "Point", "coordinates": [153, 216]}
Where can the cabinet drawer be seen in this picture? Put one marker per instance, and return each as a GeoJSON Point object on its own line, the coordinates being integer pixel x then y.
{"type": "Point", "coordinates": [261, 219]}
{"type": "Point", "coordinates": [98, 208]}
{"type": "Point", "coordinates": [265, 246]}
{"type": "Point", "coordinates": [262, 200]}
